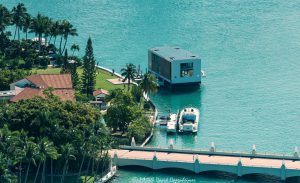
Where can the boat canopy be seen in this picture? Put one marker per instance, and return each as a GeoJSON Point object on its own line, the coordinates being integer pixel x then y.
{"type": "Point", "coordinates": [189, 117]}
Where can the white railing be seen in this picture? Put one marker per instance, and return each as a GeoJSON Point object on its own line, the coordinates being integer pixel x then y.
{"type": "Point", "coordinates": [216, 153]}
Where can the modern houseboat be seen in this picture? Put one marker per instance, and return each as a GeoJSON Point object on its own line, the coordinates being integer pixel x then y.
{"type": "Point", "coordinates": [174, 66]}
{"type": "Point", "coordinates": [188, 120]}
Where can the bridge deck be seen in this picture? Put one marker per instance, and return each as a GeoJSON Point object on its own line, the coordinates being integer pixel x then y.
{"type": "Point", "coordinates": [205, 159]}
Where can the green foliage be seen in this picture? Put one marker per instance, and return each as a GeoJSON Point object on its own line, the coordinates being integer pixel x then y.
{"type": "Point", "coordinates": [9, 76]}
{"type": "Point", "coordinates": [149, 84]}
{"type": "Point", "coordinates": [129, 73]}
{"type": "Point", "coordinates": [65, 68]}
{"type": "Point", "coordinates": [64, 132]}
{"type": "Point", "coordinates": [125, 115]}
{"type": "Point", "coordinates": [139, 129]}
{"type": "Point", "coordinates": [89, 71]}
{"type": "Point", "coordinates": [137, 93]}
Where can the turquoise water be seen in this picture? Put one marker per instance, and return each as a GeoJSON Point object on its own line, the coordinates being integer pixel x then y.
{"type": "Point", "coordinates": [250, 52]}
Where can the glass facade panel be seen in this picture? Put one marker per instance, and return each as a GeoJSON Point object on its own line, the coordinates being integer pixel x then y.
{"type": "Point", "coordinates": [186, 70]}
{"type": "Point", "coordinates": [160, 66]}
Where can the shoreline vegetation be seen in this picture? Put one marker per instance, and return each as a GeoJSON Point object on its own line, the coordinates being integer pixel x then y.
{"type": "Point", "coordinates": [44, 139]}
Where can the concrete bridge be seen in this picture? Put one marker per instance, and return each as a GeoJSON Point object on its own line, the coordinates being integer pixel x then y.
{"type": "Point", "coordinates": [198, 161]}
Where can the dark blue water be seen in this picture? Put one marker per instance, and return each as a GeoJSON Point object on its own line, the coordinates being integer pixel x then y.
{"type": "Point", "coordinates": [250, 52]}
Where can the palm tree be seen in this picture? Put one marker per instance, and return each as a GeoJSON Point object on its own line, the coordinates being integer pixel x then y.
{"type": "Point", "coordinates": [68, 152]}
{"type": "Point", "coordinates": [5, 18]}
{"type": "Point", "coordinates": [54, 31]}
{"type": "Point", "coordinates": [26, 24]}
{"type": "Point", "coordinates": [149, 84]}
{"type": "Point", "coordinates": [31, 152]}
{"type": "Point", "coordinates": [129, 73]}
{"type": "Point", "coordinates": [45, 149]}
{"type": "Point", "coordinates": [47, 30]}
{"type": "Point", "coordinates": [66, 31]}
{"type": "Point", "coordinates": [75, 47]}
{"type": "Point", "coordinates": [18, 15]}
{"type": "Point", "coordinates": [38, 26]}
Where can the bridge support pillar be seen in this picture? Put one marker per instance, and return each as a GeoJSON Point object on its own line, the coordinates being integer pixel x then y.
{"type": "Point", "coordinates": [196, 164]}
{"type": "Point", "coordinates": [154, 161]}
{"type": "Point", "coordinates": [239, 168]}
{"type": "Point", "coordinates": [115, 158]}
{"type": "Point", "coordinates": [283, 171]}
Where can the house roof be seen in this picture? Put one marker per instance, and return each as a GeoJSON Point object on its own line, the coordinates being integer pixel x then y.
{"type": "Point", "coordinates": [173, 53]}
{"type": "Point", "coordinates": [56, 81]}
{"type": "Point", "coordinates": [100, 91]}
{"type": "Point", "coordinates": [28, 93]}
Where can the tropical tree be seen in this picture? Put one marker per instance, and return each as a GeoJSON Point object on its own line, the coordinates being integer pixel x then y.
{"type": "Point", "coordinates": [5, 18]}
{"type": "Point", "coordinates": [18, 16]}
{"type": "Point", "coordinates": [68, 152]}
{"type": "Point", "coordinates": [39, 26]}
{"type": "Point", "coordinates": [64, 68]}
{"type": "Point", "coordinates": [149, 84]}
{"type": "Point", "coordinates": [129, 73]}
{"type": "Point", "coordinates": [54, 31]}
{"type": "Point", "coordinates": [26, 24]}
{"type": "Point", "coordinates": [66, 30]}
{"type": "Point", "coordinates": [31, 152]}
{"type": "Point", "coordinates": [74, 75]}
{"type": "Point", "coordinates": [75, 47]}
{"type": "Point", "coordinates": [89, 70]}
{"type": "Point", "coordinates": [137, 93]}
{"type": "Point", "coordinates": [46, 149]}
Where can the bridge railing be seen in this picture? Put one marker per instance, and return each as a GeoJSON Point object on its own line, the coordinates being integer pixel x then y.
{"type": "Point", "coordinates": [213, 153]}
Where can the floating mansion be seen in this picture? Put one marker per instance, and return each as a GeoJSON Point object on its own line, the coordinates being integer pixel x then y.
{"type": "Point", "coordinates": [174, 66]}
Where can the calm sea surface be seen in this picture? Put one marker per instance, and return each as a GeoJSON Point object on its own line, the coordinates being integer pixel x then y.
{"type": "Point", "coordinates": [251, 56]}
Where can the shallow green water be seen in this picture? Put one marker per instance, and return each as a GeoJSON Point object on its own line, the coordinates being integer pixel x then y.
{"type": "Point", "coordinates": [250, 52]}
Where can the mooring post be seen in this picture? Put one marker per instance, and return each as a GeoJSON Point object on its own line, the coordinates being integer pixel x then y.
{"type": "Point", "coordinates": [212, 147]}
{"type": "Point", "coordinates": [253, 150]}
{"type": "Point", "coordinates": [296, 152]}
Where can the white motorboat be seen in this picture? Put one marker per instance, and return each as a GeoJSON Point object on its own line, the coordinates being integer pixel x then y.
{"type": "Point", "coordinates": [162, 120]}
{"type": "Point", "coordinates": [172, 123]}
{"type": "Point", "coordinates": [188, 120]}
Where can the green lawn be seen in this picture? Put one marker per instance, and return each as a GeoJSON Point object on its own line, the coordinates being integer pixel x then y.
{"type": "Point", "coordinates": [101, 81]}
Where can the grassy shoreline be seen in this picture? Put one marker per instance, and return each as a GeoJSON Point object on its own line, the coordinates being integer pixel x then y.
{"type": "Point", "coordinates": [101, 78]}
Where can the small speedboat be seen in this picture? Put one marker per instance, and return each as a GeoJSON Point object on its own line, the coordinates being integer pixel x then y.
{"type": "Point", "coordinates": [162, 120]}
{"type": "Point", "coordinates": [172, 124]}
{"type": "Point", "coordinates": [188, 120]}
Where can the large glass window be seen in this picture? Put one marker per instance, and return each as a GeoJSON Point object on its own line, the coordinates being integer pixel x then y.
{"type": "Point", "coordinates": [160, 66]}
{"type": "Point", "coordinates": [186, 69]}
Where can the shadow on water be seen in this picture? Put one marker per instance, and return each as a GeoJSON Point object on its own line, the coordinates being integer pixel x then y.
{"type": "Point", "coordinates": [176, 99]}
{"type": "Point", "coordinates": [206, 176]}
{"type": "Point", "coordinates": [261, 178]}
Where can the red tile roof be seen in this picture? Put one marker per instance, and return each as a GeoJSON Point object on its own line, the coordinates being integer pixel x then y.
{"type": "Point", "coordinates": [28, 93]}
{"type": "Point", "coordinates": [100, 91]}
{"type": "Point", "coordinates": [56, 81]}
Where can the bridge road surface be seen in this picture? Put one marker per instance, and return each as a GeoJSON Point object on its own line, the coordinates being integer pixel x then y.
{"type": "Point", "coordinates": [233, 164]}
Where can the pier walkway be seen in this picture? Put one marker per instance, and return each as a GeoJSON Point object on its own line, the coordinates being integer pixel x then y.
{"type": "Point", "coordinates": [202, 161]}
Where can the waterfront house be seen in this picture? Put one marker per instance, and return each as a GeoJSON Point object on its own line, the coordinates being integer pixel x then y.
{"type": "Point", "coordinates": [35, 85]}
{"type": "Point", "coordinates": [99, 98]}
{"type": "Point", "coordinates": [174, 66]}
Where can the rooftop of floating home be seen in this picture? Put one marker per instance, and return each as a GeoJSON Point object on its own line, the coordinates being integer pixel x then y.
{"type": "Point", "coordinates": [173, 53]}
